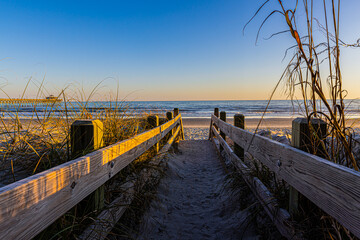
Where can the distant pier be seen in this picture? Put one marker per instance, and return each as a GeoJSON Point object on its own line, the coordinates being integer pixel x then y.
{"type": "Point", "coordinates": [23, 102]}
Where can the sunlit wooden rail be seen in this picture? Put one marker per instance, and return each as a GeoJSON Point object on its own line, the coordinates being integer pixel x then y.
{"type": "Point", "coordinates": [30, 205]}
{"type": "Point", "coordinates": [332, 187]}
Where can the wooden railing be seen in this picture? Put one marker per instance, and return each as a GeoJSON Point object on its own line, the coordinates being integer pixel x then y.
{"type": "Point", "coordinates": [30, 205]}
{"type": "Point", "coordinates": [332, 187]}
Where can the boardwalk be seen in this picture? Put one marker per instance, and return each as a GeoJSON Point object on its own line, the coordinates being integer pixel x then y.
{"type": "Point", "coordinates": [191, 201]}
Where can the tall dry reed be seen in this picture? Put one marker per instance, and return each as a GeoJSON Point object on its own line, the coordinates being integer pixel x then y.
{"type": "Point", "coordinates": [314, 71]}
{"type": "Point", "coordinates": [314, 74]}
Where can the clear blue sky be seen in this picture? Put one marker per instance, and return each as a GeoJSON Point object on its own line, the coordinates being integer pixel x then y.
{"type": "Point", "coordinates": [154, 50]}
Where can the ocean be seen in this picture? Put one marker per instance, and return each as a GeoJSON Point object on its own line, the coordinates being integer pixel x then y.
{"type": "Point", "coordinates": [188, 109]}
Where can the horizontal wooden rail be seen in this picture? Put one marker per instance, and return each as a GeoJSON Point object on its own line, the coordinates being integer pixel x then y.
{"type": "Point", "coordinates": [30, 205]}
{"type": "Point", "coordinates": [332, 187]}
{"type": "Point", "coordinates": [279, 216]}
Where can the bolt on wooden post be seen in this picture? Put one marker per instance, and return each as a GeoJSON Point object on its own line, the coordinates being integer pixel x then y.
{"type": "Point", "coordinates": [222, 134]}
{"type": "Point", "coordinates": [87, 136]}
{"type": "Point", "coordinates": [153, 122]}
{"type": "Point", "coordinates": [239, 121]}
{"type": "Point", "coordinates": [308, 137]}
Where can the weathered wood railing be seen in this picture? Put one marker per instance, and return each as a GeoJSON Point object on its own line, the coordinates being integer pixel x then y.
{"type": "Point", "coordinates": [30, 205]}
{"type": "Point", "coordinates": [332, 187]}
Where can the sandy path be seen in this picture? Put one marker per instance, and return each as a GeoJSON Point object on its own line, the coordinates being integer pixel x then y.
{"type": "Point", "coordinates": [191, 201]}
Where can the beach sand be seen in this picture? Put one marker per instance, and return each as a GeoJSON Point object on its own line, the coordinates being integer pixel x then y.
{"type": "Point", "coordinates": [251, 123]}
{"type": "Point", "coordinates": [278, 129]}
{"type": "Point", "coordinates": [193, 202]}
{"type": "Point", "coordinates": [198, 128]}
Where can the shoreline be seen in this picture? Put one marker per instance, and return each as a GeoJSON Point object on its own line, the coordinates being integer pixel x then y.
{"type": "Point", "coordinates": [204, 122]}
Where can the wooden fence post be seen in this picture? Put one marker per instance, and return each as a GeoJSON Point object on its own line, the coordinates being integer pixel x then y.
{"type": "Point", "coordinates": [87, 136]}
{"type": "Point", "coordinates": [216, 112]}
{"type": "Point", "coordinates": [176, 112]}
{"type": "Point", "coordinates": [182, 136]}
{"type": "Point", "coordinates": [222, 134]}
{"type": "Point", "coordinates": [222, 117]}
{"type": "Point", "coordinates": [169, 116]}
{"type": "Point", "coordinates": [239, 121]}
{"type": "Point", "coordinates": [176, 141]}
{"type": "Point", "coordinates": [308, 137]}
{"type": "Point", "coordinates": [153, 122]}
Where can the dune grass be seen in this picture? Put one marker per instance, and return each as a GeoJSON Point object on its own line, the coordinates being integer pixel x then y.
{"type": "Point", "coordinates": [42, 140]}
{"type": "Point", "coordinates": [314, 82]}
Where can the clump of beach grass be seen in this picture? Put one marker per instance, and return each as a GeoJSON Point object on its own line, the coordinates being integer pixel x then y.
{"type": "Point", "coordinates": [42, 140]}
{"type": "Point", "coordinates": [314, 73]}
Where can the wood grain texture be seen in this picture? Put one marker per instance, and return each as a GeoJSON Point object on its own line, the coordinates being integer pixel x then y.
{"type": "Point", "coordinates": [332, 187]}
{"type": "Point", "coordinates": [31, 204]}
{"type": "Point", "coordinates": [279, 216]}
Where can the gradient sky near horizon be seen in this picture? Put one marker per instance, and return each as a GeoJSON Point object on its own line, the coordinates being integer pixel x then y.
{"type": "Point", "coordinates": [153, 50]}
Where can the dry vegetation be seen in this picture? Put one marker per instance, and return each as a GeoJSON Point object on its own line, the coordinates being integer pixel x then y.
{"type": "Point", "coordinates": [314, 73]}
{"type": "Point", "coordinates": [42, 140]}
